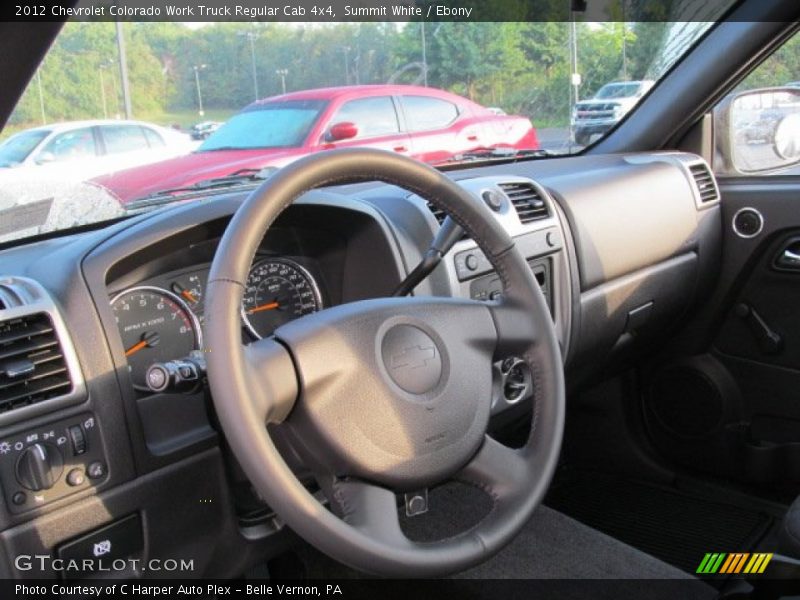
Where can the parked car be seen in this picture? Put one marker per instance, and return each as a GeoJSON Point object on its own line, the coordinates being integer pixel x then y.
{"type": "Point", "coordinates": [606, 108]}
{"type": "Point", "coordinates": [80, 150]}
{"type": "Point", "coordinates": [201, 131]}
{"type": "Point", "coordinates": [427, 124]}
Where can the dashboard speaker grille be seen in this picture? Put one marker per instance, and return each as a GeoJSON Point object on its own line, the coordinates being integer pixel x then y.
{"type": "Point", "coordinates": [705, 183]}
{"type": "Point", "coordinates": [527, 201]}
{"type": "Point", "coordinates": [32, 363]}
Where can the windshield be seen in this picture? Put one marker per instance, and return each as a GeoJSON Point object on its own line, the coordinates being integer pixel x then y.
{"type": "Point", "coordinates": [17, 148]}
{"type": "Point", "coordinates": [618, 90]}
{"type": "Point", "coordinates": [154, 111]}
{"type": "Point", "coordinates": [269, 125]}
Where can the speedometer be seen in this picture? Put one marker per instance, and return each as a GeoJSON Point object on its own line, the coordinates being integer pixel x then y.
{"type": "Point", "coordinates": [156, 326]}
{"type": "Point", "coordinates": [277, 291]}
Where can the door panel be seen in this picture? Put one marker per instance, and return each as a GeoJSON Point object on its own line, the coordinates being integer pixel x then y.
{"type": "Point", "coordinates": [744, 386]}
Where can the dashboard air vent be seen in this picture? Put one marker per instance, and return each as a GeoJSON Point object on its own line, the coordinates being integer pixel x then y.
{"type": "Point", "coordinates": [32, 363]}
{"type": "Point", "coordinates": [527, 201]}
{"type": "Point", "coordinates": [437, 212]}
{"type": "Point", "coordinates": [705, 182]}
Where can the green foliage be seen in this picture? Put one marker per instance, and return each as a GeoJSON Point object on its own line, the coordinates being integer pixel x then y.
{"type": "Point", "coordinates": [522, 67]}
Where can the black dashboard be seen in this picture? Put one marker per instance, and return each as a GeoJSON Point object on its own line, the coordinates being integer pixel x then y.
{"type": "Point", "coordinates": [622, 247]}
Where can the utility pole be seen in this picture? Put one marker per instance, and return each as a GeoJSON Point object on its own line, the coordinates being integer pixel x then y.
{"type": "Point", "coordinates": [282, 73]}
{"type": "Point", "coordinates": [197, 70]}
{"type": "Point", "coordinates": [123, 72]}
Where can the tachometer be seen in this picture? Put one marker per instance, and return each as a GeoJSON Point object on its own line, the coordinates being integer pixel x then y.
{"type": "Point", "coordinates": [156, 326]}
{"type": "Point", "coordinates": [278, 290]}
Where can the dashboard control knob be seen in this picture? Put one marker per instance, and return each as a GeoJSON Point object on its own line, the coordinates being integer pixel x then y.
{"type": "Point", "coordinates": [39, 467]}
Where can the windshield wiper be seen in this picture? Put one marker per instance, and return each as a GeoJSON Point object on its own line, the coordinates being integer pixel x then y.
{"type": "Point", "coordinates": [493, 155]}
{"type": "Point", "coordinates": [235, 179]}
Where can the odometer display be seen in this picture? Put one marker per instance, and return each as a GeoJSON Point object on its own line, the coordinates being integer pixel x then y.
{"type": "Point", "coordinates": [156, 326]}
{"type": "Point", "coordinates": [277, 292]}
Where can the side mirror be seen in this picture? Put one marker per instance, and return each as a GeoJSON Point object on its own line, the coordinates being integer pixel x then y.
{"type": "Point", "coordinates": [342, 131]}
{"type": "Point", "coordinates": [45, 157]}
{"type": "Point", "coordinates": [758, 131]}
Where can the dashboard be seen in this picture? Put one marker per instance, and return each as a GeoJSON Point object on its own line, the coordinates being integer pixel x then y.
{"type": "Point", "coordinates": [622, 247]}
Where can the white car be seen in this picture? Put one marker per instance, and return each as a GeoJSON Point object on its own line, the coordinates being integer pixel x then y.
{"type": "Point", "coordinates": [80, 150]}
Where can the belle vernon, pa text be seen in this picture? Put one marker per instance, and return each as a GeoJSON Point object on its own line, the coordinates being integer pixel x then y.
{"type": "Point", "coordinates": [136, 589]}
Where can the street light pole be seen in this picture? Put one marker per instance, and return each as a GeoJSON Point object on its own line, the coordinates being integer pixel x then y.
{"type": "Point", "coordinates": [103, 92]}
{"type": "Point", "coordinates": [346, 64]}
{"type": "Point", "coordinates": [282, 73]}
{"type": "Point", "coordinates": [123, 72]}
{"type": "Point", "coordinates": [251, 37]}
{"type": "Point", "coordinates": [41, 94]}
{"type": "Point", "coordinates": [197, 70]}
{"type": "Point", "coordinates": [424, 56]}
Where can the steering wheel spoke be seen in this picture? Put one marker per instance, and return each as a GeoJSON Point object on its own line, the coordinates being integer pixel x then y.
{"type": "Point", "coordinates": [370, 508]}
{"type": "Point", "coordinates": [496, 468]}
{"type": "Point", "coordinates": [516, 328]}
{"type": "Point", "coordinates": [271, 380]}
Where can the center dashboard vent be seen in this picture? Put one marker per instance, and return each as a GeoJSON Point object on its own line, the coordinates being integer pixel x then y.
{"type": "Point", "coordinates": [527, 201]}
{"type": "Point", "coordinates": [706, 186]}
{"type": "Point", "coordinates": [32, 363]}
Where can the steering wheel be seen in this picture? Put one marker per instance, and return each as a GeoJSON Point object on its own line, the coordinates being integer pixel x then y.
{"type": "Point", "coordinates": [387, 395]}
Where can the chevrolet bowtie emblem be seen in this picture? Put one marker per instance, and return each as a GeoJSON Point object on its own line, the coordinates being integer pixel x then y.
{"type": "Point", "coordinates": [413, 357]}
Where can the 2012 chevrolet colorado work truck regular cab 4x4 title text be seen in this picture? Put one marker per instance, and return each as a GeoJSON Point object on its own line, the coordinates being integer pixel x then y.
{"type": "Point", "coordinates": [552, 370]}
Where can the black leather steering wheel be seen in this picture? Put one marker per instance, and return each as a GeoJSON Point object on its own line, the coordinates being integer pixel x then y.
{"type": "Point", "coordinates": [386, 395]}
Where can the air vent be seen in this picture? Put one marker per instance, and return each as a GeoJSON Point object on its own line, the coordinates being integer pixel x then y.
{"type": "Point", "coordinates": [527, 201]}
{"type": "Point", "coordinates": [705, 182]}
{"type": "Point", "coordinates": [437, 212]}
{"type": "Point", "coordinates": [32, 363]}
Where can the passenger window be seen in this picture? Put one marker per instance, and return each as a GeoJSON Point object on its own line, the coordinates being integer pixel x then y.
{"type": "Point", "coordinates": [424, 113]}
{"type": "Point", "coordinates": [153, 139]}
{"type": "Point", "coordinates": [70, 145]}
{"type": "Point", "coordinates": [373, 116]}
{"type": "Point", "coordinates": [123, 138]}
{"type": "Point", "coordinates": [757, 126]}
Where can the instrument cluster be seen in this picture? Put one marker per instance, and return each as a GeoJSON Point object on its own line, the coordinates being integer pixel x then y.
{"type": "Point", "coordinates": [162, 320]}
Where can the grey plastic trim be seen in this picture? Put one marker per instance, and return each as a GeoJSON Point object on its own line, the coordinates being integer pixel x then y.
{"type": "Point", "coordinates": [36, 299]}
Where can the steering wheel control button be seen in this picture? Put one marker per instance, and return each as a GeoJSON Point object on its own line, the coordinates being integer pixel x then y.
{"type": "Point", "coordinates": [412, 359]}
{"type": "Point", "coordinates": [748, 223]}
{"type": "Point", "coordinates": [19, 498]}
{"type": "Point", "coordinates": [78, 440]}
{"type": "Point", "coordinates": [416, 503]}
{"type": "Point", "coordinates": [76, 477]}
{"type": "Point", "coordinates": [96, 470]}
{"type": "Point", "coordinates": [471, 261]}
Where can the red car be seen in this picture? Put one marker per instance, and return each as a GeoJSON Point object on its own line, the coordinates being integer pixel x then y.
{"type": "Point", "coordinates": [428, 124]}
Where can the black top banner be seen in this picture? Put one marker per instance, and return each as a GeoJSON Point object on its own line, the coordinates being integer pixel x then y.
{"type": "Point", "coordinates": [331, 11]}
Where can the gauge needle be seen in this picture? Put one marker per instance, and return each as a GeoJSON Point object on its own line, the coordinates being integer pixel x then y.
{"type": "Point", "coordinates": [136, 347]}
{"type": "Point", "coordinates": [268, 306]}
{"type": "Point", "coordinates": [149, 339]}
{"type": "Point", "coordinates": [189, 296]}
{"type": "Point", "coordinates": [178, 288]}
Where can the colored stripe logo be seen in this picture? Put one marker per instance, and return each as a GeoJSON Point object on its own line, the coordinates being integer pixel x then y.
{"type": "Point", "coordinates": [735, 562]}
